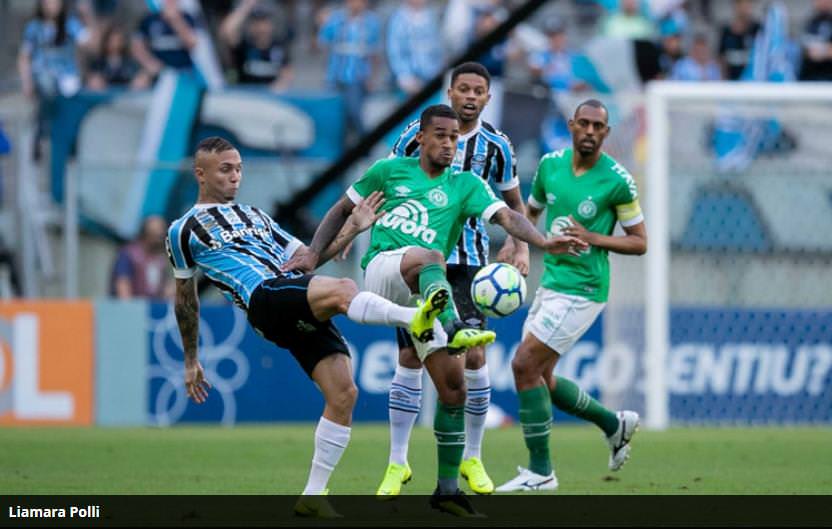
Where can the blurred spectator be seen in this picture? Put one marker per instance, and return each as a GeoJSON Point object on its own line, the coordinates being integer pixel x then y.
{"type": "Point", "coordinates": [555, 66]}
{"type": "Point", "coordinates": [114, 66]}
{"type": "Point", "coordinates": [47, 61]}
{"type": "Point", "coordinates": [487, 18]}
{"type": "Point", "coordinates": [817, 44]}
{"type": "Point", "coordinates": [141, 269]}
{"type": "Point", "coordinates": [737, 39]}
{"type": "Point", "coordinates": [458, 24]}
{"type": "Point", "coordinates": [9, 278]}
{"type": "Point", "coordinates": [352, 36]}
{"type": "Point", "coordinates": [671, 48]}
{"type": "Point", "coordinates": [699, 65]}
{"type": "Point", "coordinates": [488, 15]}
{"type": "Point", "coordinates": [628, 23]}
{"type": "Point", "coordinates": [5, 148]}
{"type": "Point", "coordinates": [165, 39]}
{"type": "Point", "coordinates": [259, 54]}
{"type": "Point", "coordinates": [414, 47]}
{"type": "Point", "coordinates": [9, 284]}
{"type": "Point", "coordinates": [587, 12]}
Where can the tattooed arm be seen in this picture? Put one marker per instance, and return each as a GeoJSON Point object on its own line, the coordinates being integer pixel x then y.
{"type": "Point", "coordinates": [186, 308]}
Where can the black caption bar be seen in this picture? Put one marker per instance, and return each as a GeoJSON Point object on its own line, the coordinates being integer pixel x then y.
{"type": "Point", "coordinates": [515, 511]}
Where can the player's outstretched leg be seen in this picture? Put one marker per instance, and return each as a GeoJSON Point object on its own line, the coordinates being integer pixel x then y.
{"type": "Point", "coordinates": [329, 296]}
{"type": "Point", "coordinates": [618, 428]}
{"type": "Point", "coordinates": [423, 271]}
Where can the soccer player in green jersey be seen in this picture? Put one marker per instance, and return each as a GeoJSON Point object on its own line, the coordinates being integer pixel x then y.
{"type": "Point", "coordinates": [426, 205]}
{"type": "Point", "coordinates": [488, 154]}
{"type": "Point", "coordinates": [584, 192]}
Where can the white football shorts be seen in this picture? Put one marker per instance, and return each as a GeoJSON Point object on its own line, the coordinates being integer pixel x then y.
{"type": "Point", "coordinates": [559, 320]}
{"type": "Point", "coordinates": [383, 276]}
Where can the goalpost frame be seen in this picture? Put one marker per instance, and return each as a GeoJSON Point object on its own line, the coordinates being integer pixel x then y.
{"type": "Point", "coordinates": [660, 95]}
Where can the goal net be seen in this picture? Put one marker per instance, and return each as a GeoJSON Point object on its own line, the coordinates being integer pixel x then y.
{"type": "Point", "coordinates": [729, 315]}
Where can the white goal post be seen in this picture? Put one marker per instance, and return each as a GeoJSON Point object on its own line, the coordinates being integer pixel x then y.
{"type": "Point", "coordinates": [802, 102]}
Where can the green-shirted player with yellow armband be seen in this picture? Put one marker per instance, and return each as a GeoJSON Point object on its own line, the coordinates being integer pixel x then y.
{"type": "Point", "coordinates": [584, 192]}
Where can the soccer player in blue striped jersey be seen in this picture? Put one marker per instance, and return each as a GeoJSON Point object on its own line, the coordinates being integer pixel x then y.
{"type": "Point", "coordinates": [488, 154]}
{"type": "Point", "coordinates": [241, 250]}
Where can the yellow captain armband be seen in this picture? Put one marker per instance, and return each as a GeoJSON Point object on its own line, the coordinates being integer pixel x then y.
{"type": "Point", "coordinates": [629, 214]}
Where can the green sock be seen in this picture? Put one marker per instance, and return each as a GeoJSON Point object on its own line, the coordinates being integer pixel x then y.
{"type": "Point", "coordinates": [536, 420]}
{"type": "Point", "coordinates": [431, 278]}
{"type": "Point", "coordinates": [449, 429]}
{"type": "Point", "coordinates": [568, 397]}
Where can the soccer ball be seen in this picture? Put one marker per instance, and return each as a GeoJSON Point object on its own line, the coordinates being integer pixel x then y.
{"type": "Point", "coordinates": [498, 289]}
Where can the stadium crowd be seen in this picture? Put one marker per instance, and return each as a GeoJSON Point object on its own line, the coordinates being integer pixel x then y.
{"type": "Point", "coordinates": [93, 44]}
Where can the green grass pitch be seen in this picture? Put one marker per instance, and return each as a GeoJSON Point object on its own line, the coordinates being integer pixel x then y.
{"type": "Point", "coordinates": [274, 459]}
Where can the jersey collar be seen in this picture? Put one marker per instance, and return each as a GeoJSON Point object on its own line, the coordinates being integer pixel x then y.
{"type": "Point", "coordinates": [212, 205]}
{"type": "Point", "coordinates": [473, 132]}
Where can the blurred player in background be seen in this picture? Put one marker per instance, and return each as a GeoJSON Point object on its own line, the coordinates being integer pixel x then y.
{"type": "Point", "coordinates": [584, 192]}
{"type": "Point", "coordinates": [489, 155]}
{"type": "Point", "coordinates": [427, 204]}
{"type": "Point", "coordinates": [241, 249]}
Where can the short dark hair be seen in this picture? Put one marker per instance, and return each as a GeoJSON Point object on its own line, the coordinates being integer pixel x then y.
{"type": "Point", "coordinates": [436, 111]}
{"type": "Point", "coordinates": [214, 144]}
{"type": "Point", "coordinates": [471, 67]}
{"type": "Point", "coordinates": [594, 103]}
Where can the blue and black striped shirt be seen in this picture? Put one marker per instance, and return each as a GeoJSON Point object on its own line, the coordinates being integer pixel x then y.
{"type": "Point", "coordinates": [488, 154]}
{"type": "Point", "coordinates": [236, 246]}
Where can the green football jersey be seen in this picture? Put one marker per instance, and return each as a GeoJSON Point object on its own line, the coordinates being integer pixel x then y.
{"type": "Point", "coordinates": [422, 211]}
{"type": "Point", "coordinates": [597, 199]}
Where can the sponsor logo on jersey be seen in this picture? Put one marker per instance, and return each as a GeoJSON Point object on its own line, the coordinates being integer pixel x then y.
{"type": "Point", "coordinates": [438, 197]}
{"type": "Point", "coordinates": [410, 218]}
{"type": "Point", "coordinates": [477, 163]}
{"type": "Point", "coordinates": [558, 225]}
{"type": "Point", "coordinates": [402, 191]}
{"type": "Point", "coordinates": [228, 236]}
{"type": "Point", "coordinates": [550, 198]}
{"type": "Point", "coordinates": [587, 209]}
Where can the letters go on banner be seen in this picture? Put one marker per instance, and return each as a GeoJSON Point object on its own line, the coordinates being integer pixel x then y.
{"type": "Point", "coordinates": [724, 365]}
{"type": "Point", "coordinates": [46, 363]}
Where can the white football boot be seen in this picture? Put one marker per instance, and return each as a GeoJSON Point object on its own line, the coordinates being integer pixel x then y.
{"type": "Point", "coordinates": [527, 480]}
{"type": "Point", "coordinates": [619, 442]}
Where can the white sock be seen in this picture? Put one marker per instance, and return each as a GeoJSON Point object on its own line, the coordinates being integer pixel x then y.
{"type": "Point", "coordinates": [476, 409]}
{"type": "Point", "coordinates": [404, 403]}
{"type": "Point", "coordinates": [330, 441]}
{"type": "Point", "coordinates": [373, 309]}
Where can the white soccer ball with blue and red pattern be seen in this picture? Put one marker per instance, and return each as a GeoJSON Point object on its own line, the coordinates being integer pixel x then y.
{"type": "Point", "coordinates": [498, 289]}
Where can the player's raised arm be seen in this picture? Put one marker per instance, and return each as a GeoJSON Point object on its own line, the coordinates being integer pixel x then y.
{"type": "Point", "coordinates": [363, 216]}
{"type": "Point", "coordinates": [335, 218]}
{"type": "Point", "coordinates": [519, 226]}
{"type": "Point", "coordinates": [308, 260]}
{"type": "Point", "coordinates": [186, 307]}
